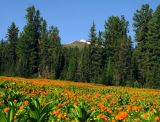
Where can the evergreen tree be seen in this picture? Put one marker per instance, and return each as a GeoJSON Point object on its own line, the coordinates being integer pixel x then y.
{"type": "Point", "coordinates": [54, 52]}
{"type": "Point", "coordinates": [2, 58]}
{"type": "Point", "coordinates": [23, 55]}
{"type": "Point", "coordinates": [64, 63]}
{"type": "Point", "coordinates": [85, 66]}
{"type": "Point", "coordinates": [73, 64]}
{"type": "Point", "coordinates": [117, 50]}
{"type": "Point", "coordinates": [70, 64]}
{"type": "Point", "coordinates": [44, 52]}
{"type": "Point", "coordinates": [123, 53]}
{"type": "Point", "coordinates": [1, 62]}
{"type": "Point", "coordinates": [99, 56]}
{"type": "Point", "coordinates": [29, 43]}
{"type": "Point", "coordinates": [141, 19]}
{"type": "Point", "coordinates": [50, 49]}
{"type": "Point", "coordinates": [152, 54]}
{"type": "Point", "coordinates": [12, 38]}
{"type": "Point", "coordinates": [93, 53]}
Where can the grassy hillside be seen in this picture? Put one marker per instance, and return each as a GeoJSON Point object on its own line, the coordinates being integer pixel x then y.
{"type": "Point", "coordinates": [74, 44]}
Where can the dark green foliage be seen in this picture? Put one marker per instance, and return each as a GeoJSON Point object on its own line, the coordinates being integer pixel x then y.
{"type": "Point", "coordinates": [109, 59]}
{"type": "Point", "coordinates": [55, 52]}
{"type": "Point", "coordinates": [50, 50]}
{"type": "Point", "coordinates": [95, 54]}
{"type": "Point", "coordinates": [2, 57]}
{"type": "Point", "coordinates": [44, 52]}
{"type": "Point", "coordinates": [8, 51]}
{"type": "Point", "coordinates": [141, 19]}
{"type": "Point", "coordinates": [92, 52]}
{"type": "Point", "coordinates": [84, 65]}
{"type": "Point", "coordinates": [152, 54]}
{"type": "Point", "coordinates": [29, 44]}
{"type": "Point", "coordinates": [117, 51]}
{"type": "Point", "coordinates": [70, 61]}
{"type": "Point", "coordinates": [12, 38]}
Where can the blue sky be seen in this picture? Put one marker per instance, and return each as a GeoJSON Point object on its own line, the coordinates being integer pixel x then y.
{"type": "Point", "coordinates": [72, 17]}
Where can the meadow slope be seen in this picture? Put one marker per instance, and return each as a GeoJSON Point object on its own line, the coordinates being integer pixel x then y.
{"type": "Point", "coordinates": [42, 100]}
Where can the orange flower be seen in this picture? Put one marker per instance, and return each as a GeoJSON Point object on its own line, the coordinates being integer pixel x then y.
{"type": "Point", "coordinates": [145, 115]}
{"type": "Point", "coordinates": [6, 110]}
{"type": "Point", "coordinates": [109, 110]}
{"type": "Point", "coordinates": [54, 112]}
{"type": "Point", "coordinates": [102, 110]}
{"type": "Point", "coordinates": [121, 116]}
{"type": "Point", "coordinates": [15, 101]}
{"type": "Point", "coordinates": [26, 102]}
{"type": "Point", "coordinates": [60, 116]}
{"type": "Point", "coordinates": [135, 108]}
{"type": "Point", "coordinates": [157, 118]}
{"type": "Point", "coordinates": [93, 108]}
{"type": "Point", "coordinates": [21, 107]}
{"type": "Point", "coordinates": [120, 108]}
{"type": "Point", "coordinates": [75, 103]}
{"type": "Point", "coordinates": [128, 107]}
{"type": "Point", "coordinates": [104, 117]}
{"type": "Point", "coordinates": [59, 104]}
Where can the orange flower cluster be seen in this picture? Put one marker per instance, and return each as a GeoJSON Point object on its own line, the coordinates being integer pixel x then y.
{"type": "Point", "coordinates": [104, 117]}
{"type": "Point", "coordinates": [135, 108]}
{"type": "Point", "coordinates": [6, 110]}
{"type": "Point", "coordinates": [121, 116]}
{"type": "Point", "coordinates": [56, 112]}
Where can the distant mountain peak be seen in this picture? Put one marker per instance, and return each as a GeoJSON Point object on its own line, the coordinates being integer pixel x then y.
{"type": "Point", "coordinates": [84, 41]}
{"type": "Point", "coordinates": [77, 43]}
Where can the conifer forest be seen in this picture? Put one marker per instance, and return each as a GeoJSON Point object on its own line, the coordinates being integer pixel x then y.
{"type": "Point", "coordinates": [110, 58]}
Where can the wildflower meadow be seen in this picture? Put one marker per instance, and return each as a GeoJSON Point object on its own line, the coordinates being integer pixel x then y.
{"type": "Point", "coordinates": [43, 100]}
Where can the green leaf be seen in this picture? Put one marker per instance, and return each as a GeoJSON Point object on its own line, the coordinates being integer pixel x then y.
{"type": "Point", "coordinates": [34, 115]}
{"type": "Point", "coordinates": [47, 108]}
{"type": "Point", "coordinates": [3, 117]}
{"type": "Point", "coordinates": [42, 118]}
{"type": "Point", "coordinates": [11, 114]}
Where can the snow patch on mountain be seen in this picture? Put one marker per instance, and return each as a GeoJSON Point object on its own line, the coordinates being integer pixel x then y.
{"type": "Point", "coordinates": [84, 41]}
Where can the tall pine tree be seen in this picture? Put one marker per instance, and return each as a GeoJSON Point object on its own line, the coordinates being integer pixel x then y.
{"type": "Point", "coordinates": [12, 39]}
{"type": "Point", "coordinates": [152, 54]}
{"type": "Point", "coordinates": [141, 19]}
{"type": "Point", "coordinates": [29, 43]}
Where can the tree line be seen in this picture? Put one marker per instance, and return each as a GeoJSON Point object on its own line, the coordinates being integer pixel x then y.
{"type": "Point", "coordinates": [109, 59]}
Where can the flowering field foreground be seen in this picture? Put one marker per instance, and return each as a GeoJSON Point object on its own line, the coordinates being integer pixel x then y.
{"type": "Point", "coordinates": [43, 100]}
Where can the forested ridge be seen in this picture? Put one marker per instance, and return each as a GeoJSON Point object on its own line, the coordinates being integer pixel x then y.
{"type": "Point", "coordinates": [109, 59]}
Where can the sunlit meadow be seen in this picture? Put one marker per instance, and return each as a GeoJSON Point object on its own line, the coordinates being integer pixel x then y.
{"type": "Point", "coordinates": [40, 100]}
